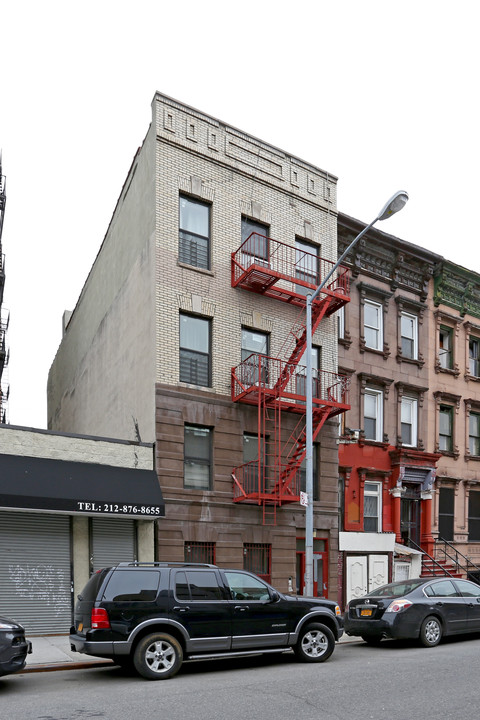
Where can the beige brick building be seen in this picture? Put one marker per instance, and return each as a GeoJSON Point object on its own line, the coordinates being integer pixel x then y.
{"type": "Point", "coordinates": [148, 351]}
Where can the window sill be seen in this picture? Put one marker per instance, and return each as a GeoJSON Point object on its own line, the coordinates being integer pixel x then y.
{"type": "Point", "coordinates": [475, 458]}
{"type": "Point", "coordinates": [203, 271]}
{"type": "Point", "coordinates": [373, 443]}
{"type": "Point", "coordinates": [419, 362]}
{"type": "Point", "coordinates": [385, 353]}
{"type": "Point", "coordinates": [475, 378]}
{"type": "Point", "coordinates": [449, 371]}
{"type": "Point", "coordinates": [449, 453]}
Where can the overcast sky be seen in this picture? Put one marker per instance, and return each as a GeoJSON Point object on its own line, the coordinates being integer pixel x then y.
{"type": "Point", "coordinates": [382, 94]}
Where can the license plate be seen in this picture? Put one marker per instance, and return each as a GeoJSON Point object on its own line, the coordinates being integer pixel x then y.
{"type": "Point", "coordinates": [366, 612]}
{"type": "Point", "coordinates": [80, 627]}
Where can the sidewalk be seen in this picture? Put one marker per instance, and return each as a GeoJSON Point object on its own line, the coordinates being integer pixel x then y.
{"type": "Point", "coordinates": [52, 652]}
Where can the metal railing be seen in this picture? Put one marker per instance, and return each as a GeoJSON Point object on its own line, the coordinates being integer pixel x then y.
{"type": "Point", "coordinates": [453, 554]}
{"type": "Point", "coordinates": [435, 563]}
{"type": "Point", "coordinates": [301, 270]}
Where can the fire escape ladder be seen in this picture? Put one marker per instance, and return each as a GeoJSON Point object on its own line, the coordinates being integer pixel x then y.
{"type": "Point", "coordinates": [299, 335]}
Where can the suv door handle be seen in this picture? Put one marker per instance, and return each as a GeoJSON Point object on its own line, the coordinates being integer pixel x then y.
{"type": "Point", "coordinates": [184, 608]}
{"type": "Point", "coordinates": [439, 604]}
{"type": "Point", "coordinates": [242, 608]}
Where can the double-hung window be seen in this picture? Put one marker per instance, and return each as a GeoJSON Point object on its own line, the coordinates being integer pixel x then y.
{"type": "Point", "coordinates": [306, 265]}
{"type": "Point", "coordinates": [445, 433]}
{"type": "Point", "coordinates": [409, 335]}
{"type": "Point", "coordinates": [194, 233]}
{"type": "Point", "coordinates": [372, 507]}
{"type": "Point", "coordinates": [373, 325]}
{"type": "Point", "coordinates": [254, 242]}
{"type": "Point", "coordinates": [301, 376]}
{"type": "Point", "coordinates": [254, 356]}
{"type": "Point", "coordinates": [197, 457]}
{"type": "Point", "coordinates": [474, 356]}
{"type": "Point", "coordinates": [409, 410]}
{"type": "Point", "coordinates": [195, 350]}
{"type": "Point", "coordinates": [474, 434]}
{"type": "Point", "coordinates": [445, 352]}
{"type": "Point", "coordinates": [373, 415]}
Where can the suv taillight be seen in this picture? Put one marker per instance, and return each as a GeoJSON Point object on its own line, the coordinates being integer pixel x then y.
{"type": "Point", "coordinates": [100, 619]}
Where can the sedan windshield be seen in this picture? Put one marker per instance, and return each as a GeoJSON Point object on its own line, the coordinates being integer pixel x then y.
{"type": "Point", "coordinates": [397, 589]}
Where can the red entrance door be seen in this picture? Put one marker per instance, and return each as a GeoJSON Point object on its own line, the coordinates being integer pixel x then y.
{"type": "Point", "coordinates": [320, 568]}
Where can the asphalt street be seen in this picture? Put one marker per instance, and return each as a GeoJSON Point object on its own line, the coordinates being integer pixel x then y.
{"type": "Point", "coordinates": [394, 681]}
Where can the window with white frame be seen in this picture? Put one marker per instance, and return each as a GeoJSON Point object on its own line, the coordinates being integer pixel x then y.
{"type": "Point", "coordinates": [445, 432]}
{"type": "Point", "coordinates": [373, 414]}
{"type": "Point", "coordinates": [306, 265]}
{"type": "Point", "coordinates": [409, 335]}
{"type": "Point", "coordinates": [194, 233]}
{"type": "Point", "coordinates": [373, 325]}
{"type": "Point", "coordinates": [254, 242]}
{"type": "Point", "coordinates": [341, 322]}
{"type": "Point", "coordinates": [409, 414]}
{"type": "Point", "coordinates": [197, 461]}
{"type": "Point", "coordinates": [372, 507]}
{"type": "Point", "coordinates": [445, 351]}
{"type": "Point", "coordinates": [474, 433]}
{"type": "Point", "coordinates": [474, 356]}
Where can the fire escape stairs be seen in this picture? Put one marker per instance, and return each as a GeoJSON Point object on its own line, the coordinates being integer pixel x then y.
{"type": "Point", "coordinates": [276, 475]}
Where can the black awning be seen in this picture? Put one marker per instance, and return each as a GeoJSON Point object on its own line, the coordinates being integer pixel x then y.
{"type": "Point", "coordinates": [30, 483]}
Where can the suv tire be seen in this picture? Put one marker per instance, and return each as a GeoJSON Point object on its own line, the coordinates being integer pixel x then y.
{"type": "Point", "coordinates": [158, 656]}
{"type": "Point", "coordinates": [315, 643]}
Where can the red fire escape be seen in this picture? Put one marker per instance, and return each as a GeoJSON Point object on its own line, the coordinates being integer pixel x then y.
{"type": "Point", "coordinates": [277, 386]}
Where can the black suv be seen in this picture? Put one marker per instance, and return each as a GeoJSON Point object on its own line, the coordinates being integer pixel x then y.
{"type": "Point", "coordinates": [155, 615]}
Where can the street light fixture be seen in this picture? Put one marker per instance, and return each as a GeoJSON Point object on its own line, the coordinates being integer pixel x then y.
{"type": "Point", "coordinates": [395, 204]}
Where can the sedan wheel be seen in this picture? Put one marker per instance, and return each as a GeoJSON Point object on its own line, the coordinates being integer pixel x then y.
{"type": "Point", "coordinates": [315, 643]}
{"type": "Point", "coordinates": [158, 656]}
{"type": "Point", "coordinates": [430, 632]}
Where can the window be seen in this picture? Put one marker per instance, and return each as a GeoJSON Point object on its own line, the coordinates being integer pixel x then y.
{"type": "Point", "coordinates": [341, 323]}
{"type": "Point", "coordinates": [138, 586]}
{"type": "Point", "coordinates": [408, 413]}
{"type": "Point", "coordinates": [474, 356]}
{"type": "Point", "coordinates": [474, 433]}
{"type": "Point", "coordinates": [254, 242]}
{"type": "Point", "coordinates": [197, 585]}
{"type": "Point", "coordinates": [197, 457]}
{"type": "Point", "coordinates": [373, 415]}
{"type": "Point", "coordinates": [257, 558]}
{"type": "Point", "coordinates": [445, 353]}
{"type": "Point", "coordinates": [468, 589]}
{"type": "Point", "coordinates": [474, 516]}
{"type": "Point", "coordinates": [446, 513]}
{"type": "Point", "coordinates": [194, 350]}
{"type": "Point", "coordinates": [373, 325]}
{"type": "Point", "coordinates": [306, 265]}
{"type": "Point", "coordinates": [254, 368]}
{"type": "Point", "coordinates": [301, 376]}
{"type": "Point", "coordinates": [251, 461]}
{"type": "Point", "coordinates": [194, 233]}
{"type": "Point", "coordinates": [244, 587]}
{"type": "Point", "coordinates": [372, 507]}
{"type": "Point", "coordinates": [199, 552]}
{"type": "Point", "coordinates": [443, 588]}
{"type": "Point", "coordinates": [445, 435]}
{"type": "Point", "coordinates": [409, 335]}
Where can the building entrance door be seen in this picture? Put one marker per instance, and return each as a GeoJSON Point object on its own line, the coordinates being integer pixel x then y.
{"type": "Point", "coordinates": [320, 568]}
{"type": "Point", "coordinates": [410, 514]}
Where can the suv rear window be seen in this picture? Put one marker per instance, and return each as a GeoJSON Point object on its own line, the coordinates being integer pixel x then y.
{"type": "Point", "coordinates": [137, 586]}
{"type": "Point", "coordinates": [90, 591]}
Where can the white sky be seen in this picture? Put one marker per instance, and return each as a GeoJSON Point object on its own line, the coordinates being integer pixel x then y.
{"type": "Point", "coordinates": [384, 95]}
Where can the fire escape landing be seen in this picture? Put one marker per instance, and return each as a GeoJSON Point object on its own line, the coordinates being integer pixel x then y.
{"type": "Point", "coordinates": [277, 387]}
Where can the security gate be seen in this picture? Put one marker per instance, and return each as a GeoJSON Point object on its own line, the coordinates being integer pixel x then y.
{"type": "Point", "coordinates": [112, 541]}
{"type": "Point", "coordinates": [35, 571]}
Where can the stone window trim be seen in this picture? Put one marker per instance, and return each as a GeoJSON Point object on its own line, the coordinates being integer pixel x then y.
{"type": "Point", "coordinates": [471, 331]}
{"type": "Point", "coordinates": [471, 405]}
{"type": "Point", "coordinates": [417, 309]}
{"type": "Point", "coordinates": [453, 401]}
{"type": "Point", "coordinates": [373, 382]}
{"type": "Point", "coordinates": [380, 296]}
{"type": "Point", "coordinates": [416, 392]}
{"type": "Point", "coordinates": [453, 323]}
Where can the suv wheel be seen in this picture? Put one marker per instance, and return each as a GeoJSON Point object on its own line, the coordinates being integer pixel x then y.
{"type": "Point", "coordinates": [158, 656]}
{"type": "Point", "coordinates": [315, 643]}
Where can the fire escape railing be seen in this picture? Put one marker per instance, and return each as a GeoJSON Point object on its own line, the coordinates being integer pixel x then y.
{"type": "Point", "coordinates": [283, 271]}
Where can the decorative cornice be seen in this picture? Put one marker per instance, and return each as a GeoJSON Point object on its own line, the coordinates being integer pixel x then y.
{"type": "Point", "coordinates": [458, 288]}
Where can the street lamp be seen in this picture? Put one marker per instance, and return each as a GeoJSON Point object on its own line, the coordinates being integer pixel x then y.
{"type": "Point", "coordinates": [395, 204]}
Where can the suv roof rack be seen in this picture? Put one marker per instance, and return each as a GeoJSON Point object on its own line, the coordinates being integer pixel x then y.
{"type": "Point", "coordinates": [137, 563]}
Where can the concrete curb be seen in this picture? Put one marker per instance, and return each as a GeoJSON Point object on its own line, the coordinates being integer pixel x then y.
{"type": "Point", "coordinates": [51, 667]}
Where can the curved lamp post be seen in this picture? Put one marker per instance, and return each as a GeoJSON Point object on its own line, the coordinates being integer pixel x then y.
{"type": "Point", "coordinates": [395, 204]}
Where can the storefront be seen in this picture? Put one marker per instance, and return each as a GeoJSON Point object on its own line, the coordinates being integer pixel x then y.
{"type": "Point", "coordinates": [61, 519]}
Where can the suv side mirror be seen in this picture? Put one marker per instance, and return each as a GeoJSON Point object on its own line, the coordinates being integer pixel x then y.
{"type": "Point", "coordinates": [274, 596]}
